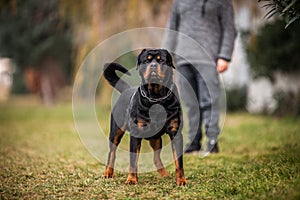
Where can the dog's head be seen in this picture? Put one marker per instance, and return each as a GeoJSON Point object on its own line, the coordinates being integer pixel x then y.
{"type": "Point", "coordinates": [155, 67]}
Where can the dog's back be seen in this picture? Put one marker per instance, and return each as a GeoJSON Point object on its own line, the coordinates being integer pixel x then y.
{"type": "Point", "coordinates": [120, 110]}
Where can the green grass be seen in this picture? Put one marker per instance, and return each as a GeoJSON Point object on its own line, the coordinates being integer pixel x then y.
{"type": "Point", "coordinates": [41, 157]}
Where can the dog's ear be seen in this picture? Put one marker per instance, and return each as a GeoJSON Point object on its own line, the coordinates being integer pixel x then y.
{"type": "Point", "coordinates": [169, 59]}
{"type": "Point", "coordinates": [138, 60]}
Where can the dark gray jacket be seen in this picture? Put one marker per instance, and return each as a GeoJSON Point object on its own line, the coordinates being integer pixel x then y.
{"type": "Point", "coordinates": [209, 22]}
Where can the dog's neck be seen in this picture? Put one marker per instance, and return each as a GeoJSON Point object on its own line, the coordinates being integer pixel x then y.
{"type": "Point", "coordinates": [155, 92]}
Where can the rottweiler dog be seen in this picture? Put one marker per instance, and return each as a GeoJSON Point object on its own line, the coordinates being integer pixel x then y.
{"type": "Point", "coordinates": [147, 111]}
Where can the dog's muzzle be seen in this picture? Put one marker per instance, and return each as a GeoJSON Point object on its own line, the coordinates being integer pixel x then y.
{"type": "Point", "coordinates": [153, 76]}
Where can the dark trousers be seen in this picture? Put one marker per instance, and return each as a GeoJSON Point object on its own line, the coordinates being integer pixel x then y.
{"type": "Point", "coordinates": [200, 91]}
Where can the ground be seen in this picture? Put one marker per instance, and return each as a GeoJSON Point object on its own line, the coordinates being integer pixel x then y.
{"type": "Point", "coordinates": [42, 157]}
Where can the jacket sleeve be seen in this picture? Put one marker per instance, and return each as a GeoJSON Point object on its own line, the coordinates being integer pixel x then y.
{"type": "Point", "coordinates": [229, 32]}
{"type": "Point", "coordinates": [170, 35]}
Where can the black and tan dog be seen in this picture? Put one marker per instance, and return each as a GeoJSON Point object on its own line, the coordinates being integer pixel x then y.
{"type": "Point", "coordinates": [147, 112]}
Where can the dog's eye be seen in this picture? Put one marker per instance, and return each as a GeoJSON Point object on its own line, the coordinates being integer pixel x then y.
{"type": "Point", "coordinates": [149, 57]}
{"type": "Point", "coordinates": [159, 59]}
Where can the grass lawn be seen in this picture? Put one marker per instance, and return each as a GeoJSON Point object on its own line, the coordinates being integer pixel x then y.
{"type": "Point", "coordinates": [42, 157]}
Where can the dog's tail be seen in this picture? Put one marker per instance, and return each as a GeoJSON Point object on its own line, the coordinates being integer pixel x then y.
{"type": "Point", "coordinates": [113, 79]}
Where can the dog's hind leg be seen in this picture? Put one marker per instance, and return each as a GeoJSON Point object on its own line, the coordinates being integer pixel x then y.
{"type": "Point", "coordinates": [156, 145]}
{"type": "Point", "coordinates": [115, 137]}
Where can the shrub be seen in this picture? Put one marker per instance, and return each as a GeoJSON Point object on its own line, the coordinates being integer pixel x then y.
{"type": "Point", "coordinates": [236, 98]}
{"type": "Point", "coordinates": [274, 49]}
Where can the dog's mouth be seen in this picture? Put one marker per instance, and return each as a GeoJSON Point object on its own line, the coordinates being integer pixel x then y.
{"type": "Point", "coordinates": [154, 80]}
{"type": "Point", "coordinates": [154, 77]}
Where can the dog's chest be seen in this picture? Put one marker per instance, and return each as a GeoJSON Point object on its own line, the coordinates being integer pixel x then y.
{"type": "Point", "coordinates": [148, 119]}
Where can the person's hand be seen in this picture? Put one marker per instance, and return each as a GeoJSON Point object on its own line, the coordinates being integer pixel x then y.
{"type": "Point", "coordinates": [222, 65]}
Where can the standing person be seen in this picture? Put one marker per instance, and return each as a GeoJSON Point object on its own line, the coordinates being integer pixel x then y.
{"type": "Point", "coordinates": [210, 23]}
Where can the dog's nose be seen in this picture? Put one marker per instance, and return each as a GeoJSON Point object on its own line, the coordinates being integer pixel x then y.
{"type": "Point", "coordinates": [153, 65]}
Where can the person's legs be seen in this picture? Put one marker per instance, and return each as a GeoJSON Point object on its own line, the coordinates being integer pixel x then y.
{"type": "Point", "coordinates": [209, 90]}
{"type": "Point", "coordinates": [188, 84]}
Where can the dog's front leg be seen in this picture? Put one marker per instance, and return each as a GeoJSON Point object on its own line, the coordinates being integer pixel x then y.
{"type": "Point", "coordinates": [177, 147]}
{"type": "Point", "coordinates": [135, 146]}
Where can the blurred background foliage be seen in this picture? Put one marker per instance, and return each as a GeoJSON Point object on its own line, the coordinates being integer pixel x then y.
{"type": "Point", "coordinates": [289, 10]}
{"type": "Point", "coordinates": [33, 30]}
{"type": "Point", "coordinates": [48, 40]}
{"type": "Point", "coordinates": [236, 98]}
{"type": "Point", "coordinates": [38, 39]}
{"type": "Point", "coordinates": [273, 52]}
{"type": "Point", "coordinates": [274, 48]}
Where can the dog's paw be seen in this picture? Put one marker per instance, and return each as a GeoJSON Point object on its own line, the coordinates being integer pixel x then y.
{"type": "Point", "coordinates": [109, 173]}
{"type": "Point", "coordinates": [181, 181]}
{"type": "Point", "coordinates": [163, 172]}
{"type": "Point", "coordinates": [131, 180]}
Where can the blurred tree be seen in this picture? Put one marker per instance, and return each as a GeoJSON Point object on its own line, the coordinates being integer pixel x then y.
{"type": "Point", "coordinates": [35, 35]}
{"type": "Point", "coordinates": [288, 9]}
{"type": "Point", "coordinates": [95, 20]}
{"type": "Point", "coordinates": [275, 49]}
